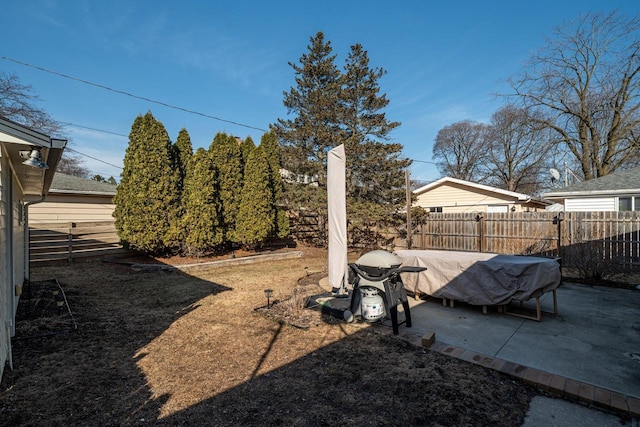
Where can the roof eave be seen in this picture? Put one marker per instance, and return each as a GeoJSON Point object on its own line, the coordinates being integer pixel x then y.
{"type": "Point", "coordinates": [518, 196]}
{"type": "Point", "coordinates": [82, 193]}
{"type": "Point", "coordinates": [587, 193]}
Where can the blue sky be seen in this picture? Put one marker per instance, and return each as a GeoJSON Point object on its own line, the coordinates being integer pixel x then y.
{"type": "Point", "coordinates": [445, 61]}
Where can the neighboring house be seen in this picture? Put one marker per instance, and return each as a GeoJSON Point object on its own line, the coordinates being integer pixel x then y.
{"type": "Point", "coordinates": [294, 178]}
{"type": "Point", "coordinates": [619, 191]}
{"type": "Point", "coordinates": [20, 184]}
{"type": "Point", "coordinates": [456, 195]}
{"type": "Point", "coordinates": [74, 199]}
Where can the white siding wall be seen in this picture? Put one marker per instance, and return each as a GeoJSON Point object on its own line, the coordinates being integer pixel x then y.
{"type": "Point", "coordinates": [18, 243]}
{"type": "Point", "coordinates": [6, 296]}
{"type": "Point", "coordinates": [12, 260]}
{"type": "Point", "coordinates": [455, 198]}
{"type": "Point", "coordinates": [590, 204]}
{"type": "Point", "coordinates": [72, 208]}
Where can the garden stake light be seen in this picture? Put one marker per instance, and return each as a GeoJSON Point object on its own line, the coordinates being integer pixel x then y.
{"type": "Point", "coordinates": [59, 303]}
{"type": "Point", "coordinates": [268, 293]}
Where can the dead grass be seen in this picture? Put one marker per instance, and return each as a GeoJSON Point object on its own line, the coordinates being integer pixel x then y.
{"type": "Point", "coordinates": [167, 348]}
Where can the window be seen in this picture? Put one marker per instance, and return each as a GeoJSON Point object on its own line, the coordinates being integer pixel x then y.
{"type": "Point", "coordinates": [624, 204]}
{"type": "Point", "coordinates": [436, 209]}
{"type": "Point", "coordinates": [631, 203]}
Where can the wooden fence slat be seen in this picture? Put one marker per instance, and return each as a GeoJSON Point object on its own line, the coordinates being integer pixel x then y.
{"type": "Point", "coordinates": [67, 241]}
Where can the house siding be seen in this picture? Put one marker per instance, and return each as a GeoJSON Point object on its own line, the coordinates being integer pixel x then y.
{"type": "Point", "coordinates": [455, 198]}
{"type": "Point", "coordinates": [72, 208]}
{"type": "Point", "coordinates": [6, 300]}
{"type": "Point", "coordinates": [17, 220]}
{"type": "Point", "coordinates": [12, 252]}
{"type": "Point", "coordinates": [591, 204]}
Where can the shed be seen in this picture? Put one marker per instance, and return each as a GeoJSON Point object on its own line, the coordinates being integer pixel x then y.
{"type": "Point", "coordinates": [456, 195]}
{"type": "Point", "coordinates": [20, 185]}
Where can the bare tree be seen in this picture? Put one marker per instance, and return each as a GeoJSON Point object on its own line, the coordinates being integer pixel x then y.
{"type": "Point", "coordinates": [519, 150]}
{"type": "Point", "coordinates": [18, 103]}
{"type": "Point", "coordinates": [586, 85]}
{"type": "Point", "coordinates": [460, 150]}
{"type": "Point", "coordinates": [71, 164]}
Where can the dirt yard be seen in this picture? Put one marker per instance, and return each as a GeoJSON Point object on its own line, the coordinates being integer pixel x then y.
{"type": "Point", "coordinates": [157, 347]}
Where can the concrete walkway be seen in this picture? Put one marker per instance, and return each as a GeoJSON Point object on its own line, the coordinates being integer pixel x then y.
{"type": "Point", "coordinates": [588, 353]}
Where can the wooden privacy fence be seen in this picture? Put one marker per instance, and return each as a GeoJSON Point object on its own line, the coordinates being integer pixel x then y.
{"type": "Point", "coordinates": [596, 242]}
{"type": "Point", "coordinates": [508, 233]}
{"type": "Point", "coordinates": [71, 240]}
{"type": "Point", "coordinates": [307, 226]}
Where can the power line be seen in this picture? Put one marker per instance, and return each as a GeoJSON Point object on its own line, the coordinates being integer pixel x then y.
{"type": "Point", "coordinates": [121, 92]}
{"type": "Point", "coordinates": [99, 160]}
{"type": "Point", "coordinates": [136, 97]}
{"type": "Point", "coordinates": [94, 129]}
{"type": "Point", "coordinates": [421, 161]}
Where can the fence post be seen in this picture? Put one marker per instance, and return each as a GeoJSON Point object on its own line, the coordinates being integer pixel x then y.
{"type": "Point", "coordinates": [407, 182]}
{"type": "Point", "coordinates": [72, 225]}
{"type": "Point", "coordinates": [558, 220]}
{"type": "Point", "coordinates": [480, 221]}
{"type": "Point", "coordinates": [69, 245]}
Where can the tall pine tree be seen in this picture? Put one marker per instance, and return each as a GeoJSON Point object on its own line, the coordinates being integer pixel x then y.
{"type": "Point", "coordinates": [315, 102]}
{"type": "Point", "coordinates": [146, 199]}
{"type": "Point", "coordinates": [331, 108]}
{"type": "Point", "coordinates": [375, 171]}
{"type": "Point", "coordinates": [227, 157]}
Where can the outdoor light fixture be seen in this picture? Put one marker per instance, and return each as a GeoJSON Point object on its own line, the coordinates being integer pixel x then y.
{"type": "Point", "coordinates": [59, 303]}
{"type": "Point", "coordinates": [35, 159]}
{"type": "Point", "coordinates": [268, 293]}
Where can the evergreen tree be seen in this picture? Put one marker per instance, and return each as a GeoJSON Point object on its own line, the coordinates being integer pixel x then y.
{"type": "Point", "coordinates": [255, 221]}
{"type": "Point", "coordinates": [269, 144]}
{"type": "Point", "coordinates": [334, 107]}
{"type": "Point", "coordinates": [181, 153]}
{"type": "Point", "coordinates": [146, 198]}
{"type": "Point", "coordinates": [246, 147]}
{"type": "Point", "coordinates": [184, 151]}
{"type": "Point", "coordinates": [227, 157]}
{"type": "Point", "coordinates": [375, 171]}
{"type": "Point", "coordinates": [201, 222]}
{"type": "Point", "coordinates": [316, 103]}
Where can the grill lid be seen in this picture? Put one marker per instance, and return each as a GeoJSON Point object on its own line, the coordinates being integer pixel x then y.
{"type": "Point", "coordinates": [379, 259]}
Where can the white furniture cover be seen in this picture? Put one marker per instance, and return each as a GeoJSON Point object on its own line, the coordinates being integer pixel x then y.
{"type": "Point", "coordinates": [479, 278]}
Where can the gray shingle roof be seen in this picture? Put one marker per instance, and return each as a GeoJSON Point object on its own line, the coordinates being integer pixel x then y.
{"type": "Point", "coordinates": [615, 183]}
{"type": "Point", "coordinates": [72, 184]}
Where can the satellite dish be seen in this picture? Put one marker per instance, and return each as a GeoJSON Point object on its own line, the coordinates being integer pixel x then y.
{"type": "Point", "coordinates": [555, 175]}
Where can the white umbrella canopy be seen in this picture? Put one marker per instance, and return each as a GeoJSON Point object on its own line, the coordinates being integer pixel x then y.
{"type": "Point", "coordinates": [337, 211]}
